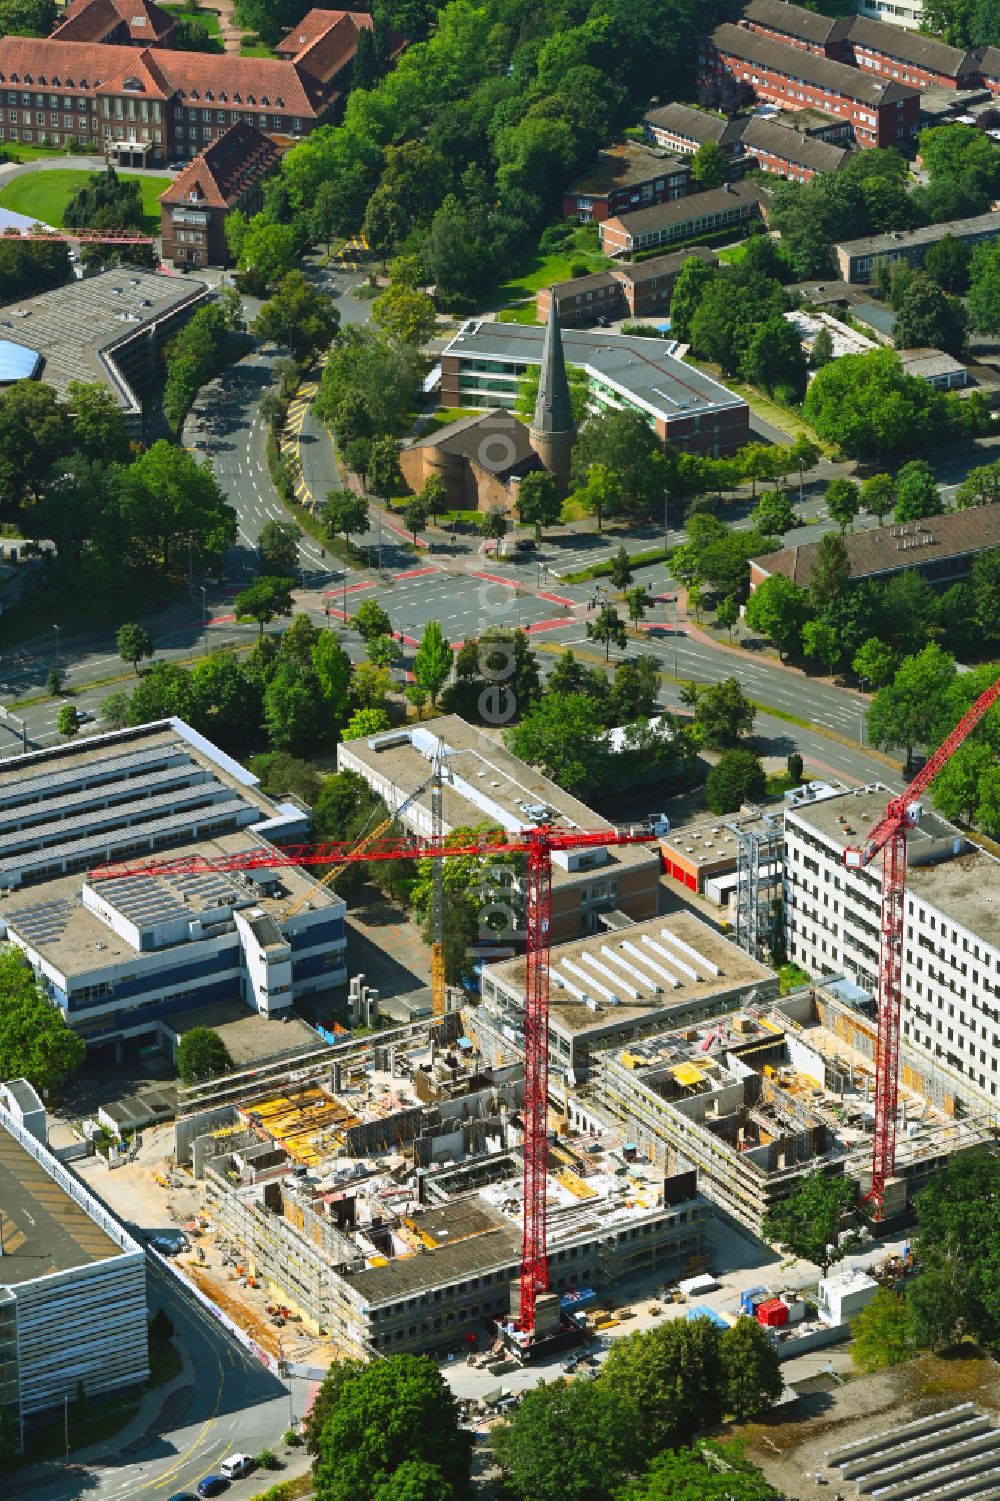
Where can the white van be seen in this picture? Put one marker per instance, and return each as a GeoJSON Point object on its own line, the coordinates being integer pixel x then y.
{"type": "Point", "coordinates": [236, 1466]}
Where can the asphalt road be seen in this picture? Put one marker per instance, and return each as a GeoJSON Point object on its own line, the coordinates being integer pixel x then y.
{"type": "Point", "coordinates": [231, 1403]}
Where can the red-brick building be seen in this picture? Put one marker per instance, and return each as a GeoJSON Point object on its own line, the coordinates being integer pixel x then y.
{"type": "Point", "coordinates": [790, 153]}
{"type": "Point", "coordinates": [907, 56]}
{"type": "Point", "coordinates": [989, 69]}
{"type": "Point", "coordinates": [626, 176]}
{"type": "Point", "coordinates": [147, 105]}
{"type": "Point", "coordinates": [882, 112]}
{"type": "Point", "coordinates": [797, 27]}
{"type": "Point", "coordinates": [128, 23]}
{"type": "Point", "coordinates": [230, 174]}
{"type": "Point", "coordinates": [626, 291]}
{"type": "Point", "coordinates": [684, 130]}
{"type": "Point", "coordinates": [703, 213]}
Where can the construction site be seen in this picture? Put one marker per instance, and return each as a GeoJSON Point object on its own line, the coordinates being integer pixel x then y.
{"type": "Point", "coordinates": [375, 1202]}
{"type": "Point", "coordinates": [754, 1099]}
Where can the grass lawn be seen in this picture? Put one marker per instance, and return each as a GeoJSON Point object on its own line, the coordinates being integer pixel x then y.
{"type": "Point", "coordinates": [208, 18]}
{"type": "Point", "coordinates": [524, 314]}
{"type": "Point", "coordinates": [33, 153]}
{"type": "Point", "coordinates": [44, 195]}
{"type": "Point", "coordinates": [252, 46]}
{"type": "Point", "coordinates": [442, 416]}
{"type": "Point", "coordinates": [733, 254]}
{"type": "Point", "coordinates": [540, 270]}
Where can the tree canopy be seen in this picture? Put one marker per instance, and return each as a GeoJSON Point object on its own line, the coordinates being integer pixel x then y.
{"type": "Point", "coordinates": [201, 1053]}
{"type": "Point", "coordinates": [35, 1041]}
{"type": "Point", "coordinates": [810, 1219]}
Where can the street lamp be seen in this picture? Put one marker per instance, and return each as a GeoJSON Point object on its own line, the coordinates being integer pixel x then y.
{"type": "Point", "coordinates": [204, 618]}
{"type": "Point", "coordinates": [56, 629]}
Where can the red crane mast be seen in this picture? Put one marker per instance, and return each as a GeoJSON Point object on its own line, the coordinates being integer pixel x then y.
{"type": "Point", "coordinates": [537, 845]}
{"type": "Point", "coordinates": [888, 837]}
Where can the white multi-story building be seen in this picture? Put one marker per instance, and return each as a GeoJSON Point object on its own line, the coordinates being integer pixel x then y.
{"type": "Point", "coordinates": [72, 1280]}
{"type": "Point", "coordinates": [119, 955]}
{"type": "Point", "coordinates": [951, 942]}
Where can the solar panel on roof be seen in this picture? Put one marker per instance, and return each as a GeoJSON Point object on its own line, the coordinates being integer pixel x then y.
{"type": "Point", "coordinates": [100, 846]}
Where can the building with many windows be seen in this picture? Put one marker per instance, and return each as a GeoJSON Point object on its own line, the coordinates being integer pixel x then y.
{"type": "Point", "coordinates": [684, 129]}
{"type": "Point", "coordinates": [147, 105]}
{"type": "Point", "coordinates": [880, 110]}
{"type": "Point", "coordinates": [484, 362]}
{"type": "Point", "coordinates": [118, 955]}
{"type": "Point", "coordinates": [951, 953]}
{"type": "Point", "coordinates": [229, 175]}
{"type": "Point", "coordinates": [856, 259]}
{"type": "Point", "coordinates": [894, 52]}
{"type": "Point", "coordinates": [728, 207]}
{"type": "Point", "coordinates": [72, 1280]}
{"type": "Point", "coordinates": [626, 175]}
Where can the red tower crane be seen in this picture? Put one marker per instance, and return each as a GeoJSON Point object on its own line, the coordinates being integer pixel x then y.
{"type": "Point", "coordinates": [888, 836]}
{"type": "Point", "coordinates": [537, 845]}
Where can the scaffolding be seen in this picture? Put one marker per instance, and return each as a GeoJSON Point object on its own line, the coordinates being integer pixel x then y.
{"type": "Point", "coordinates": [758, 889]}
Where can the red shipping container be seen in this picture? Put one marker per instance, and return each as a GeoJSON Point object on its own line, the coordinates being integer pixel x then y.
{"type": "Point", "coordinates": [773, 1313]}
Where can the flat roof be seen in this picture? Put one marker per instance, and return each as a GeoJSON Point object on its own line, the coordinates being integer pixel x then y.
{"type": "Point", "coordinates": [623, 165]}
{"type": "Point", "coordinates": [965, 887]}
{"type": "Point", "coordinates": [43, 1230]}
{"type": "Point", "coordinates": [889, 549]}
{"type": "Point", "coordinates": [483, 1239]}
{"type": "Point", "coordinates": [645, 371]}
{"type": "Point", "coordinates": [250, 1038]}
{"type": "Point", "coordinates": [73, 328]}
{"type": "Point", "coordinates": [651, 968]}
{"type": "Point", "coordinates": [482, 783]}
{"type": "Point", "coordinates": [898, 240]}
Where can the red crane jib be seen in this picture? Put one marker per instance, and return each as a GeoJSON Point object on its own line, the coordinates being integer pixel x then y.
{"type": "Point", "coordinates": [888, 836]}
{"type": "Point", "coordinates": [537, 844]}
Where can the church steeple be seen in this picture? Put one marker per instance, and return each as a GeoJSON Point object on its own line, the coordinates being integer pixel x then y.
{"type": "Point", "coordinates": [553, 430]}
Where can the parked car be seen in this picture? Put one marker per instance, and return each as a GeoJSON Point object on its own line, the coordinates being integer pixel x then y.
{"type": "Point", "coordinates": [236, 1466]}
{"type": "Point", "coordinates": [85, 716]}
{"type": "Point", "coordinates": [182, 1496]}
{"type": "Point", "coordinates": [212, 1485]}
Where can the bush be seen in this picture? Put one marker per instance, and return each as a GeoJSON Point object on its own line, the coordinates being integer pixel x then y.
{"type": "Point", "coordinates": [737, 778]}
{"type": "Point", "coordinates": [267, 1460]}
{"type": "Point", "coordinates": [794, 765]}
{"type": "Point", "coordinates": [578, 268]}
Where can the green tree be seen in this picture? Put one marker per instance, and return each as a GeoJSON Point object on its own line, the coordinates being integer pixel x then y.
{"type": "Point", "coordinates": [821, 352]}
{"type": "Point", "coordinates": [774, 515]}
{"type": "Point", "coordinates": [866, 405]}
{"type": "Point", "coordinates": [621, 569]}
{"type": "Point", "coordinates": [569, 1441]}
{"type": "Point", "coordinates": [601, 493]}
{"type": "Point", "coordinates": [345, 512]}
{"type": "Point", "coordinates": [981, 487]}
{"type": "Point", "coordinates": [405, 314]}
{"type": "Point", "coordinates": [365, 722]}
{"type": "Point", "coordinates": [434, 660]}
{"type": "Point", "coordinates": [915, 709]}
{"type": "Point", "coordinates": [773, 359]}
{"type": "Point", "coordinates": [810, 1220]}
{"type": "Point", "coordinates": [296, 716]}
{"type": "Point", "coordinates": [371, 620]}
{"type": "Point", "coordinates": [609, 628]}
{"type": "Point", "coordinates": [820, 640]}
{"type": "Point", "coordinates": [843, 501]}
{"type": "Point", "coordinates": [264, 601]}
{"type": "Point", "coordinates": [637, 600]}
{"type": "Point", "coordinates": [538, 502]}
{"type": "Point", "coordinates": [737, 778]}
{"type": "Point", "coordinates": [370, 1420]}
{"type": "Point", "coordinates": [99, 429]}
{"type": "Point", "coordinates": [917, 494]}
{"type": "Point", "coordinates": [298, 316]}
{"type": "Point", "coordinates": [633, 695]}
{"type": "Point", "coordinates": [278, 545]}
{"type": "Point", "coordinates": [778, 609]}
{"type": "Point", "coordinates": [201, 1054]}
{"type": "Point", "coordinates": [134, 642]}
{"type": "Point", "coordinates": [874, 662]}
{"type": "Point", "coordinates": [831, 575]}
{"type": "Point", "coordinates": [956, 790]}
{"type": "Point", "coordinates": [710, 165]}
{"type": "Point", "coordinates": [928, 318]}
{"type": "Point", "coordinates": [27, 17]}
{"type": "Point", "coordinates": [671, 1376]}
{"type": "Point", "coordinates": [369, 373]}
{"type": "Point", "coordinates": [700, 1474]}
{"type": "Point", "coordinates": [414, 517]}
{"type": "Point", "coordinates": [35, 1041]}
{"type": "Point", "coordinates": [68, 720]}
{"type": "Point", "coordinates": [751, 1369]}
{"type": "Point", "coordinates": [692, 279]}
{"type": "Point", "coordinates": [879, 1333]}
{"type": "Point", "coordinates": [804, 454]}
{"type": "Point", "coordinates": [496, 677]}
{"type": "Point", "coordinates": [628, 446]}
{"type": "Point", "coordinates": [958, 1246]}
{"type": "Point", "coordinates": [878, 495]}
{"type": "Point", "coordinates": [414, 1479]}
{"type": "Point", "coordinates": [727, 613]}
{"type": "Point", "coordinates": [493, 524]}
{"type": "Point", "coordinates": [433, 496]}
{"type": "Point", "coordinates": [947, 262]}
{"type": "Point", "coordinates": [984, 290]}
{"type": "Point", "coordinates": [384, 474]}
{"type": "Point", "coordinates": [267, 250]}
{"type": "Point", "coordinates": [562, 736]}
{"type": "Point", "coordinates": [723, 714]}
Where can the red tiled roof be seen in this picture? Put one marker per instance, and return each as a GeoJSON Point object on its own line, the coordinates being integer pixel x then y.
{"type": "Point", "coordinates": [69, 65]}
{"type": "Point", "coordinates": [242, 154]}
{"type": "Point", "coordinates": [93, 20]}
{"type": "Point", "coordinates": [314, 24]}
{"type": "Point", "coordinates": [244, 81]}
